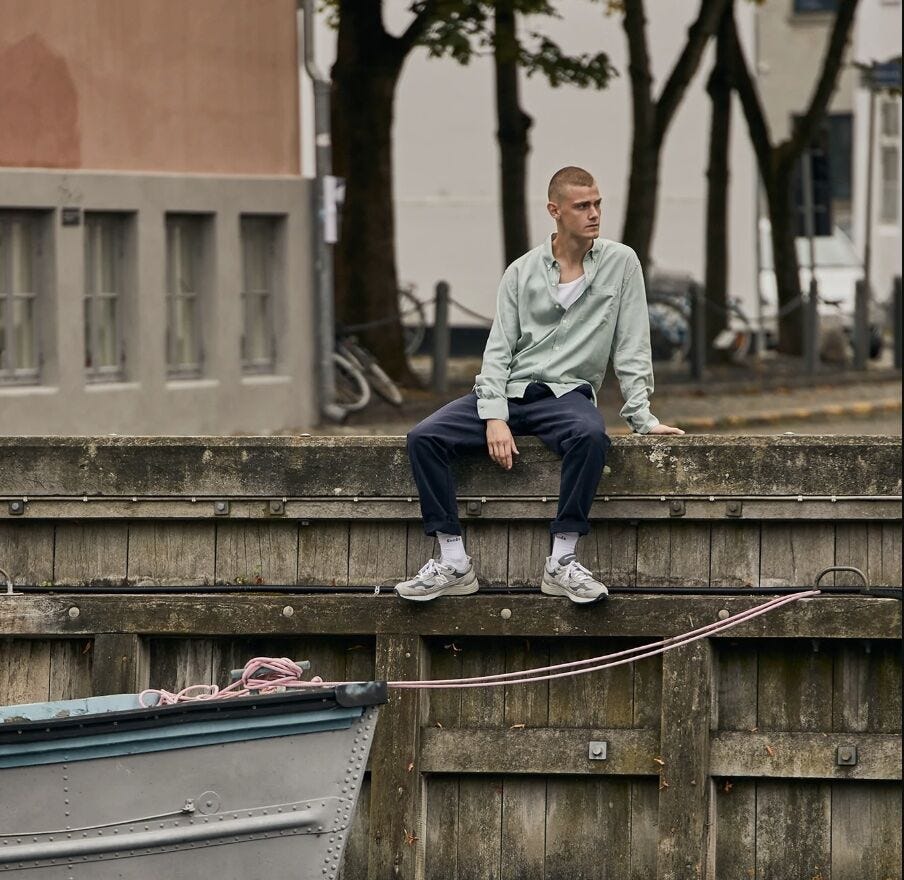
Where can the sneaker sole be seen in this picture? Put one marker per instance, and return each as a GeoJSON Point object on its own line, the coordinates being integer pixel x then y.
{"type": "Point", "coordinates": [466, 588]}
{"type": "Point", "coordinates": [553, 589]}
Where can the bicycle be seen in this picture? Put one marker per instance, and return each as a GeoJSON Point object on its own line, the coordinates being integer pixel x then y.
{"type": "Point", "coordinates": [356, 373]}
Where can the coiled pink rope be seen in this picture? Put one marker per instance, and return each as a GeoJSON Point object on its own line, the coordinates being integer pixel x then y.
{"type": "Point", "coordinates": [264, 675]}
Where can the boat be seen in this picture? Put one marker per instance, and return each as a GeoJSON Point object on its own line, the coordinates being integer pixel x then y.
{"type": "Point", "coordinates": [258, 786]}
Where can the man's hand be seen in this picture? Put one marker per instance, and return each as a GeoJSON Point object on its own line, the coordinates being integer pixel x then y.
{"type": "Point", "coordinates": [501, 443]}
{"type": "Point", "coordinates": [664, 429]}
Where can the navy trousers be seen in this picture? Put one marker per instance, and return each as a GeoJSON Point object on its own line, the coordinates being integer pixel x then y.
{"type": "Point", "coordinates": [570, 425]}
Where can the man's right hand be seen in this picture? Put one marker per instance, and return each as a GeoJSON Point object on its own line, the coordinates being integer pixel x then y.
{"type": "Point", "coordinates": [500, 443]}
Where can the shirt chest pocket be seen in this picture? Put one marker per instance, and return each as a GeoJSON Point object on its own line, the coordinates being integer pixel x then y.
{"type": "Point", "coordinates": [598, 304]}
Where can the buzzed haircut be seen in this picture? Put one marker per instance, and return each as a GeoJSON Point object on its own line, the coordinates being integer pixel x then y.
{"type": "Point", "coordinates": [570, 175]}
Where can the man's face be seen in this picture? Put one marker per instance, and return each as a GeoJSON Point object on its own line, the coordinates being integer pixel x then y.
{"type": "Point", "coordinates": [577, 211]}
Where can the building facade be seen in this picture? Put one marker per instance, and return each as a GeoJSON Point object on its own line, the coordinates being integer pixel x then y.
{"type": "Point", "coordinates": [155, 231]}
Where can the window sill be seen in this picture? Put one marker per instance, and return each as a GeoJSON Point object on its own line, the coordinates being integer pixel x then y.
{"type": "Point", "coordinates": [111, 385]}
{"type": "Point", "coordinates": [190, 384]}
{"type": "Point", "coordinates": [265, 379]}
{"type": "Point", "coordinates": [18, 389]}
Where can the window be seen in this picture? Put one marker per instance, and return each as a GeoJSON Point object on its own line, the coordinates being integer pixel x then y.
{"type": "Point", "coordinates": [259, 281]}
{"type": "Point", "coordinates": [806, 7]}
{"type": "Point", "coordinates": [20, 255]}
{"type": "Point", "coordinates": [889, 159]}
{"type": "Point", "coordinates": [185, 236]}
{"type": "Point", "coordinates": [105, 240]}
{"type": "Point", "coordinates": [831, 168]}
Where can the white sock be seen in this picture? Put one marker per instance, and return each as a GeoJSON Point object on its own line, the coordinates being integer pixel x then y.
{"type": "Point", "coordinates": [563, 544]}
{"type": "Point", "coordinates": [452, 550]}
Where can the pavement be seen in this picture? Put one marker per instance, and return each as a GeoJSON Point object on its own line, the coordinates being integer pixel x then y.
{"type": "Point", "coordinates": [761, 397]}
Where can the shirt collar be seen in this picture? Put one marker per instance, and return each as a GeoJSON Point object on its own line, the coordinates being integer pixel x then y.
{"type": "Point", "coordinates": [549, 260]}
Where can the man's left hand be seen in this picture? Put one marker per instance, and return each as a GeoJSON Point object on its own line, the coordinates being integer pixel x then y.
{"type": "Point", "coordinates": [665, 429]}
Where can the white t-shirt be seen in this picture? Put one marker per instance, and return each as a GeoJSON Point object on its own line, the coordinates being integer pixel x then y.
{"type": "Point", "coordinates": [568, 293]}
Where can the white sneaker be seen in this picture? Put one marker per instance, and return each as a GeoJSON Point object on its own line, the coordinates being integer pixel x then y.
{"type": "Point", "coordinates": [436, 579]}
{"type": "Point", "coordinates": [568, 577]}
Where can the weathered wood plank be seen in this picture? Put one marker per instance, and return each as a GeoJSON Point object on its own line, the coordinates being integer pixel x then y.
{"type": "Point", "coordinates": [531, 616]}
{"type": "Point", "coordinates": [737, 667]}
{"type": "Point", "coordinates": [867, 687]}
{"type": "Point", "coordinates": [689, 556]}
{"type": "Point", "coordinates": [26, 552]}
{"type": "Point", "coordinates": [803, 807]}
{"type": "Point", "coordinates": [91, 553]}
{"type": "Point", "coordinates": [780, 754]}
{"type": "Point", "coordinates": [24, 671]}
{"type": "Point", "coordinates": [175, 664]}
{"type": "Point", "coordinates": [526, 704]}
{"type": "Point", "coordinates": [735, 829]}
{"type": "Point", "coordinates": [70, 669]}
{"type": "Point", "coordinates": [354, 859]}
{"type": "Point", "coordinates": [866, 831]}
{"type": "Point", "coordinates": [654, 547]}
{"type": "Point", "coordinates": [444, 706]}
{"type": "Point", "coordinates": [480, 828]}
{"type": "Point", "coordinates": [482, 707]}
{"type": "Point", "coordinates": [891, 555]}
{"type": "Point", "coordinates": [794, 682]}
{"type": "Point", "coordinates": [442, 828]}
{"type": "Point", "coordinates": [793, 554]}
{"type": "Point", "coordinates": [593, 699]}
{"type": "Point", "coordinates": [487, 544]}
{"type": "Point", "coordinates": [528, 549]}
{"type": "Point", "coordinates": [323, 554]}
{"type": "Point", "coordinates": [684, 790]}
{"type": "Point", "coordinates": [396, 794]}
{"type": "Point", "coordinates": [119, 665]}
{"type": "Point", "coordinates": [257, 553]}
{"type": "Point", "coordinates": [647, 692]}
{"type": "Point", "coordinates": [377, 554]}
{"type": "Point", "coordinates": [644, 828]}
{"type": "Point", "coordinates": [171, 554]}
{"type": "Point", "coordinates": [610, 551]}
{"type": "Point", "coordinates": [523, 822]}
{"type": "Point", "coordinates": [734, 554]}
{"type": "Point", "coordinates": [538, 751]}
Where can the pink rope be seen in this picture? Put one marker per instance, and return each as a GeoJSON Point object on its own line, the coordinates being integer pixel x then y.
{"type": "Point", "coordinates": [265, 675]}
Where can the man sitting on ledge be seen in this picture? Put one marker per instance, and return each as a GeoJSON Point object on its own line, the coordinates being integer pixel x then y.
{"type": "Point", "coordinates": [562, 310]}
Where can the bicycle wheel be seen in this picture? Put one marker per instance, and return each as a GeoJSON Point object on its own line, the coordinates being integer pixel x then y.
{"type": "Point", "coordinates": [352, 390]}
{"type": "Point", "coordinates": [373, 372]}
{"type": "Point", "coordinates": [413, 330]}
{"type": "Point", "coordinates": [670, 331]}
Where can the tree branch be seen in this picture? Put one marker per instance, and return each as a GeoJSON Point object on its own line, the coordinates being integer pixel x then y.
{"type": "Point", "coordinates": [698, 34]}
{"type": "Point", "coordinates": [427, 12]}
{"type": "Point", "coordinates": [809, 123]}
{"type": "Point", "coordinates": [635, 25]}
{"type": "Point", "coordinates": [757, 125]}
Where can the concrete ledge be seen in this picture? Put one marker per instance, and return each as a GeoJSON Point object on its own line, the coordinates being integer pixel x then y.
{"type": "Point", "coordinates": [339, 467]}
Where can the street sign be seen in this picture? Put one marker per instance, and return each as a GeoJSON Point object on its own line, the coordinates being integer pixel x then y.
{"type": "Point", "coordinates": [881, 75]}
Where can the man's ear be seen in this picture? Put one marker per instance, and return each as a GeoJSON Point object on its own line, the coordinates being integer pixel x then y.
{"type": "Point", "coordinates": [553, 209]}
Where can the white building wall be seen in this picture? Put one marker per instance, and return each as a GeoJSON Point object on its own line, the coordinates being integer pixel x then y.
{"type": "Point", "coordinates": [446, 156]}
{"type": "Point", "coordinates": [877, 38]}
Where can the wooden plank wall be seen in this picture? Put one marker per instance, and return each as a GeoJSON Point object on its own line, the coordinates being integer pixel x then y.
{"type": "Point", "coordinates": [341, 554]}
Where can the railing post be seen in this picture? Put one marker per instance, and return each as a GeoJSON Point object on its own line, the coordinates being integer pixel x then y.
{"type": "Point", "coordinates": [897, 317]}
{"type": "Point", "coordinates": [861, 325]}
{"type": "Point", "coordinates": [811, 329]}
{"type": "Point", "coordinates": [441, 338]}
{"type": "Point", "coordinates": [698, 331]}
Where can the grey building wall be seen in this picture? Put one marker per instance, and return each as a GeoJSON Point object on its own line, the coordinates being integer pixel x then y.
{"type": "Point", "coordinates": [223, 399]}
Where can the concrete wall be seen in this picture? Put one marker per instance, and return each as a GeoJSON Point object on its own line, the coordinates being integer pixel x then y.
{"type": "Point", "coordinates": [206, 86]}
{"type": "Point", "coordinates": [223, 400]}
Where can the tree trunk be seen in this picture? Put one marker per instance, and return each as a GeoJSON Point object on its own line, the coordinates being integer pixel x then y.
{"type": "Point", "coordinates": [643, 188]}
{"type": "Point", "coordinates": [365, 74]}
{"type": "Point", "coordinates": [784, 258]}
{"type": "Point", "coordinates": [718, 176]}
{"type": "Point", "coordinates": [513, 127]}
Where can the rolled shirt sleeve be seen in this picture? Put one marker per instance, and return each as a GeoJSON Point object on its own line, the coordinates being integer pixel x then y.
{"type": "Point", "coordinates": [631, 356]}
{"type": "Point", "coordinates": [490, 384]}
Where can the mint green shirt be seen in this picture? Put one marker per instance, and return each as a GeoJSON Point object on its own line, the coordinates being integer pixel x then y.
{"type": "Point", "coordinates": [533, 339]}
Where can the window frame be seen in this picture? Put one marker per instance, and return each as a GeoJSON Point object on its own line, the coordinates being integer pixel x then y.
{"type": "Point", "coordinates": [197, 226]}
{"type": "Point", "coordinates": [889, 190]}
{"type": "Point", "coordinates": [118, 223]}
{"type": "Point", "coordinates": [9, 373]}
{"type": "Point", "coordinates": [271, 226]}
{"type": "Point", "coordinates": [819, 8]}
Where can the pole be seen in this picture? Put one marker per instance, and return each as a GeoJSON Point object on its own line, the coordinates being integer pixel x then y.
{"type": "Point", "coordinates": [441, 338]}
{"type": "Point", "coordinates": [861, 325]}
{"type": "Point", "coordinates": [868, 225]}
{"type": "Point", "coordinates": [323, 253]}
{"type": "Point", "coordinates": [897, 306]}
{"type": "Point", "coordinates": [698, 332]}
{"type": "Point", "coordinates": [811, 317]}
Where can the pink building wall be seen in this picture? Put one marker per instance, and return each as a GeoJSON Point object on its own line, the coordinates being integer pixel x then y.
{"type": "Point", "coordinates": [194, 86]}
